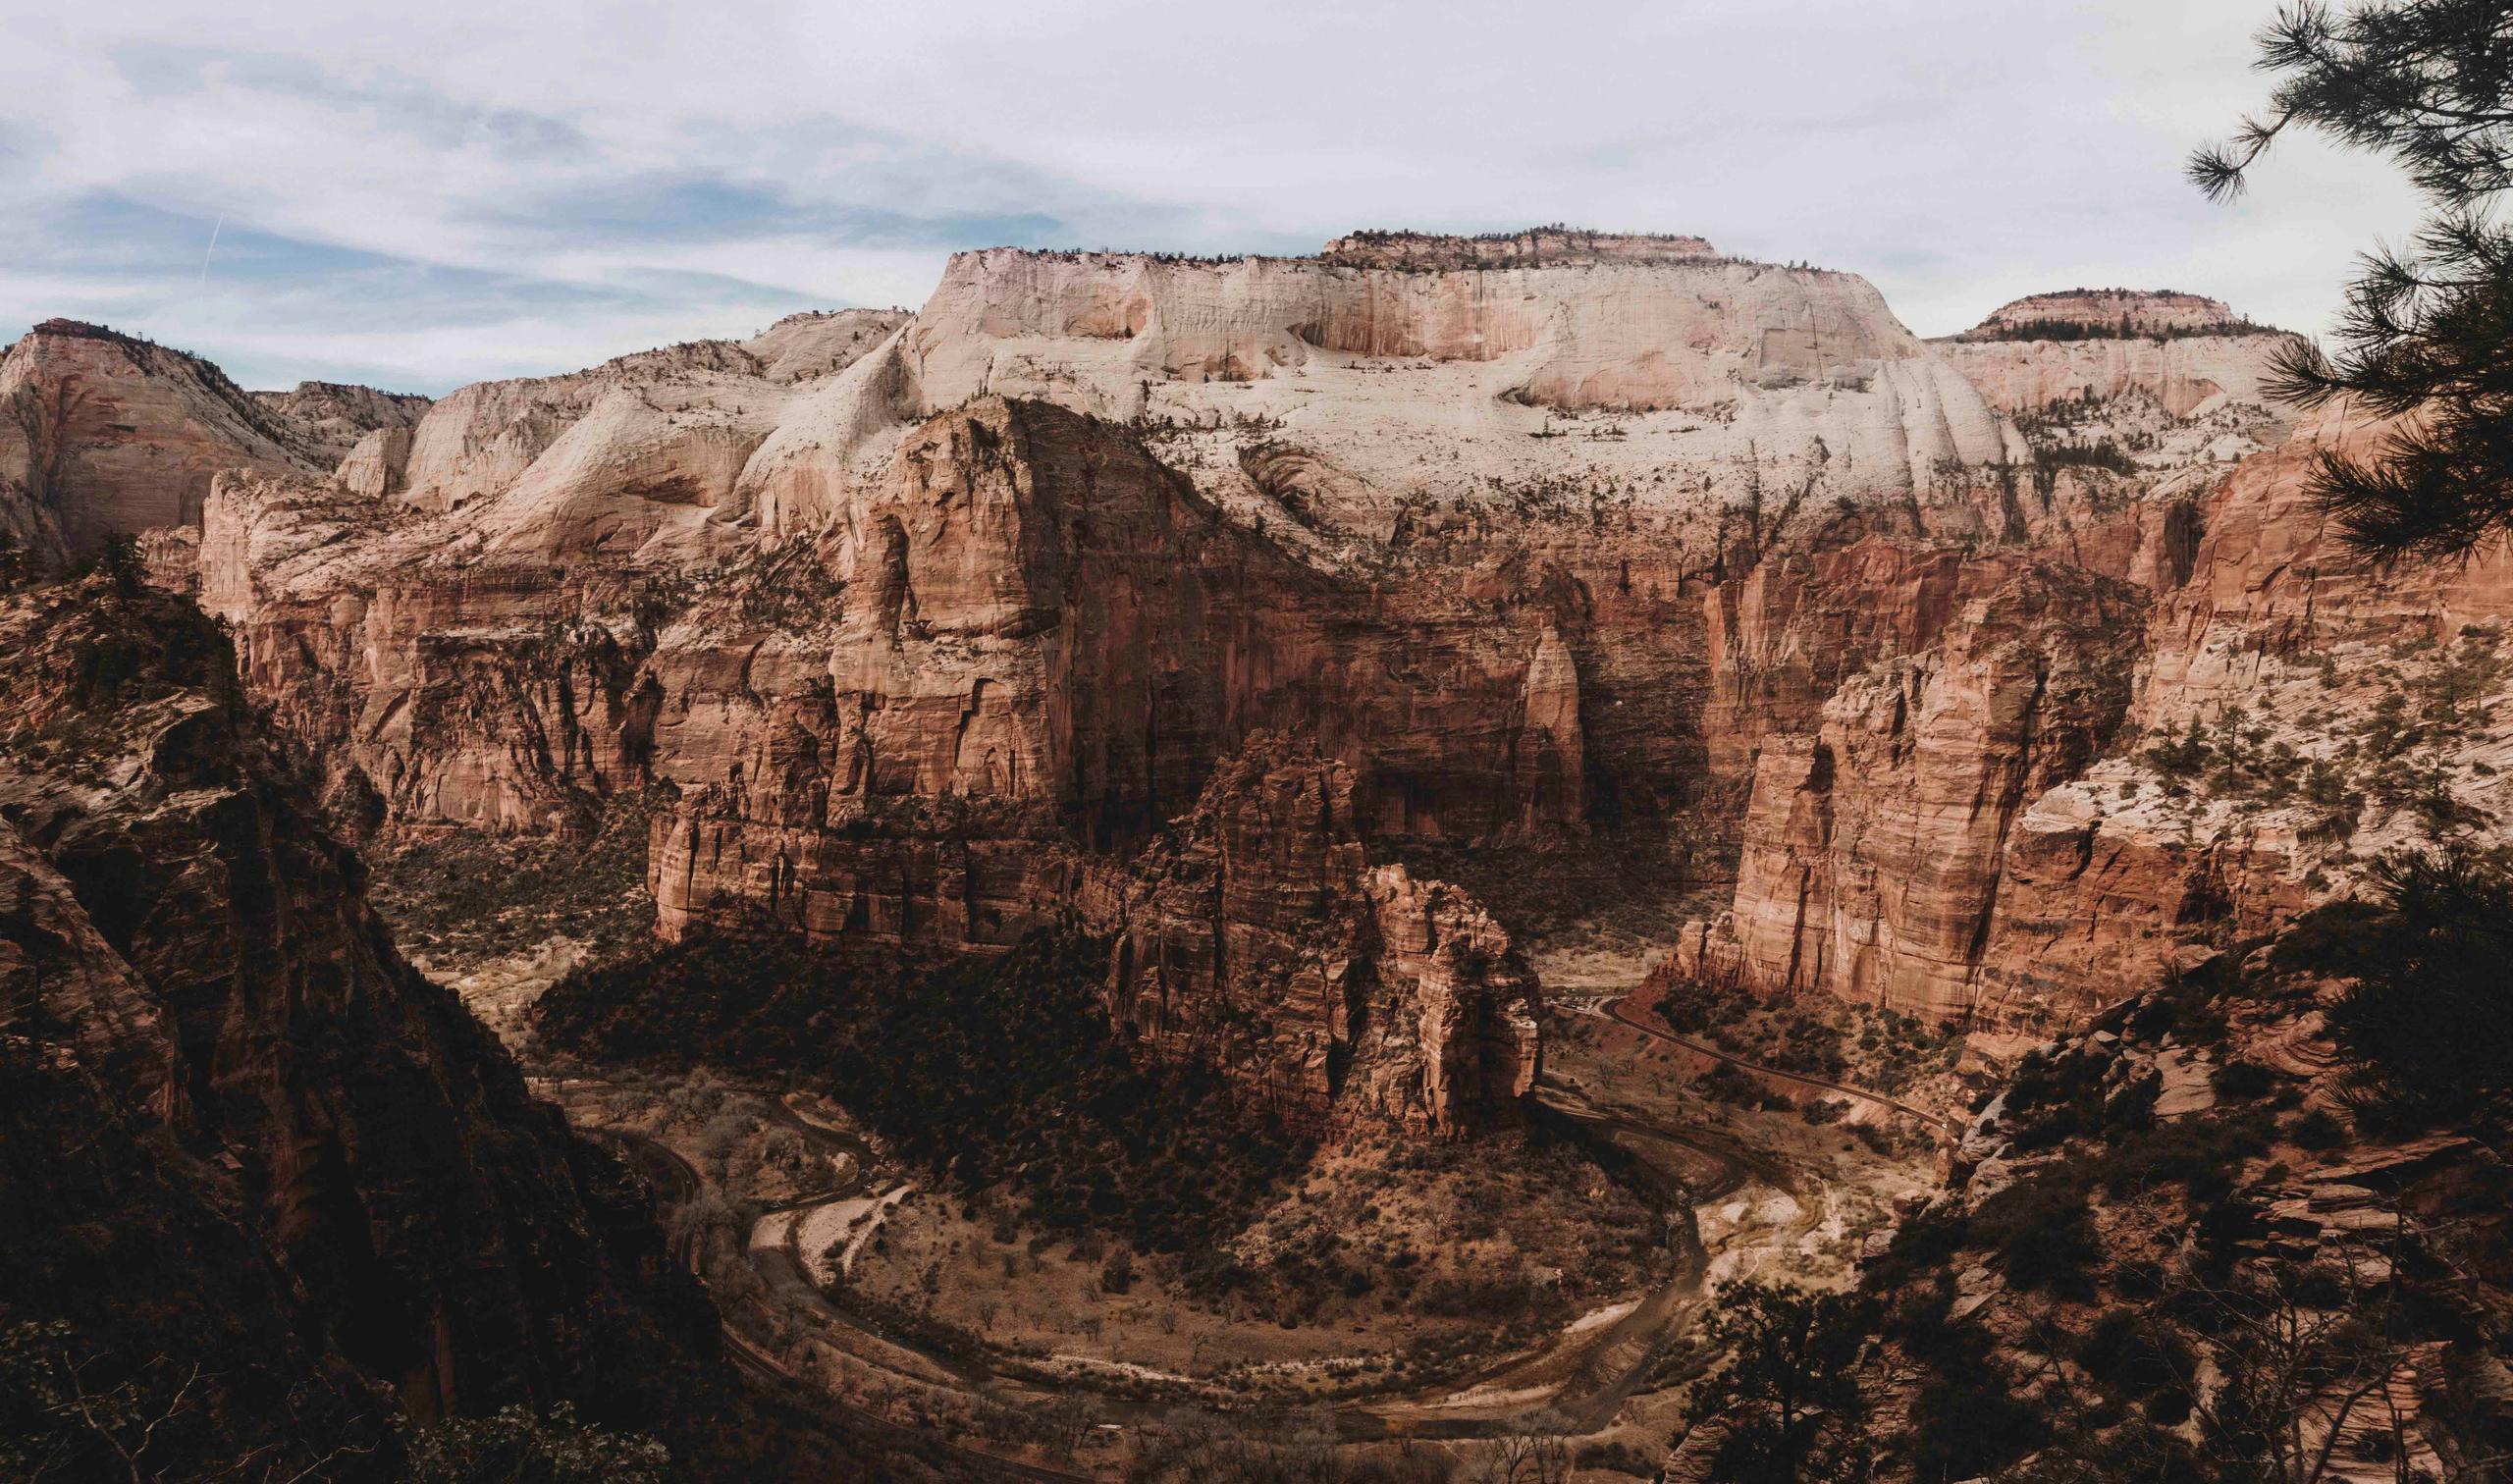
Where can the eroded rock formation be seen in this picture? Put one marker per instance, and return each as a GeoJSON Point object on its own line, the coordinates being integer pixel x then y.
{"type": "Point", "coordinates": [1257, 936]}
{"type": "Point", "coordinates": [1544, 538]}
{"type": "Point", "coordinates": [241, 1131]}
{"type": "Point", "coordinates": [1873, 846]}
{"type": "Point", "coordinates": [102, 432]}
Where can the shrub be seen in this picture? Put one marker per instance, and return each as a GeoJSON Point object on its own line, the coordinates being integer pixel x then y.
{"type": "Point", "coordinates": [2242, 1081]}
{"type": "Point", "coordinates": [2427, 1029]}
{"type": "Point", "coordinates": [2043, 1235]}
{"type": "Point", "coordinates": [518, 1447]}
{"type": "Point", "coordinates": [984, 1071]}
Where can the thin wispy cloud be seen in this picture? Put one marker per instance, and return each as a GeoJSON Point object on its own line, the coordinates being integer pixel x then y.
{"type": "Point", "coordinates": [423, 197]}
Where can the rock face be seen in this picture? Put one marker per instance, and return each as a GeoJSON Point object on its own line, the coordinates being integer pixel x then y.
{"type": "Point", "coordinates": [241, 1129]}
{"type": "Point", "coordinates": [2301, 646]}
{"type": "Point", "coordinates": [1554, 539]}
{"type": "Point", "coordinates": [332, 418]}
{"type": "Point", "coordinates": [2187, 375]}
{"type": "Point", "coordinates": [2114, 314]}
{"type": "Point", "coordinates": [1257, 936]}
{"type": "Point", "coordinates": [1873, 847]}
{"type": "Point", "coordinates": [101, 433]}
{"type": "Point", "coordinates": [1425, 370]}
{"type": "Point", "coordinates": [2255, 772]}
{"type": "Point", "coordinates": [1027, 609]}
{"type": "Point", "coordinates": [672, 426]}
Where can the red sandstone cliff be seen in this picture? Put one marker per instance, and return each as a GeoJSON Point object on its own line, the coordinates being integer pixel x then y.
{"type": "Point", "coordinates": [1701, 525]}
{"type": "Point", "coordinates": [1256, 936]}
{"type": "Point", "coordinates": [242, 1131]}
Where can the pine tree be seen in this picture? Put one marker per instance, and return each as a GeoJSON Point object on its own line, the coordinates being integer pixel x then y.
{"type": "Point", "coordinates": [2427, 331]}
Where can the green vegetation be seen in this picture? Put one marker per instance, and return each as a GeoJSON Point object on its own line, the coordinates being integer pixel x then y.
{"type": "Point", "coordinates": [987, 1072]}
{"type": "Point", "coordinates": [2122, 328]}
{"type": "Point", "coordinates": [1786, 1407]}
{"type": "Point", "coordinates": [2427, 1027]}
{"type": "Point", "coordinates": [465, 892]}
{"type": "Point", "coordinates": [2397, 756]}
{"type": "Point", "coordinates": [1875, 1047]}
{"type": "Point", "coordinates": [515, 1447]}
{"type": "Point", "coordinates": [2428, 84]}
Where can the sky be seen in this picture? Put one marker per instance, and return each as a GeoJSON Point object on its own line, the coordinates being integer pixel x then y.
{"type": "Point", "coordinates": [421, 195]}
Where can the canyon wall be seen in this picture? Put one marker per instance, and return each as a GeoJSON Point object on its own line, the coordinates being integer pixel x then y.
{"type": "Point", "coordinates": [243, 1130]}
{"type": "Point", "coordinates": [1254, 935]}
{"type": "Point", "coordinates": [1572, 542]}
{"type": "Point", "coordinates": [1873, 845]}
{"type": "Point", "coordinates": [103, 433]}
{"type": "Point", "coordinates": [2265, 726]}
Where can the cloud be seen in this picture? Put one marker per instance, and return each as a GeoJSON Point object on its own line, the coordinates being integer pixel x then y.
{"type": "Point", "coordinates": [442, 192]}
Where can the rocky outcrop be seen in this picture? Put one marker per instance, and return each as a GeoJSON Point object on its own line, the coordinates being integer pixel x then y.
{"type": "Point", "coordinates": [1874, 846]}
{"type": "Point", "coordinates": [1028, 609]}
{"type": "Point", "coordinates": [2188, 376]}
{"type": "Point", "coordinates": [2118, 313]}
{"type": "Point", "coordinates": [673, 425]}
{"type": "Point", "coordinates": [2346, 1265]}
{"type": "Point", "coordinates": [2272, 581]}
{"type": "Point", "coordinates": [332, 418]}
{"type": "Point", "coordinates": [377, 464]}
{"type": "Point", "coordinates": [245, 1138]}
{"type": "Point", "coordinates": [1425, 370]}
{"type": "Point", "coordinates": [429, 685]}
{"type": "Point", "coordinates": [2282, 648]}
{"type": "Point", "coordinates": [2301, 644]}
{"type": "Point", "coordinates": [103, 433]}
{"type": "Point", "coordinates": [1257, 936]}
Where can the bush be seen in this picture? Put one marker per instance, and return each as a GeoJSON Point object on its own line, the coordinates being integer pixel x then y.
{"type": "Point", "coordinates": [2242, 1081]}
{"type": "Point", "coordinates": [2043, 1235]}
{"type": "Point", "coordinates": [2200, 1153]}
{"type": "Point", "coordinates": [514, 1446]}
{"type": "Point", "coordinates": [1966, 1420]}
{"type": "Point", "coordinates": [2318, 1129]}
{"type": "Point", "coordinates": [983, 1071]}
{"type": "Point", "coordinates": [2427, 1029]}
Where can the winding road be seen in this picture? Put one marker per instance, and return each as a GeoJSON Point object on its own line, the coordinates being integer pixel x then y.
{"type": "Point", "coordinates": [1584, 1375]}
{"type": "Point", "coordinates": [677, 1182]}
{"type": "Point", "coordinates": [1619, 1011]}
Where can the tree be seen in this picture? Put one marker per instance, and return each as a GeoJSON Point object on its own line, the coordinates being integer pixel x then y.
{"type": "Point", "coordinates": [1536, 1450]}
{"type": "Point", "coordinates": [120, 563]}
{"type": "Point", "coordinates": [515, 1447]}
{"type": "Point", "coordinates": [2428, 331]}
{"type": "Point", "coordinates": [1786, 1407]}
{"type": "Point", "coordinates": [2427, 1029]}
{"type": "Point", "coordinates": [2301, 1361]}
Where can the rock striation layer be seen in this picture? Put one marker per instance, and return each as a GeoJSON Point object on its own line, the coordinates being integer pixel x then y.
{"type": "Point", "coordinates": [1873, 847]}
{"type": "Point", "coordinates": [241, 1131]}
{"type": "Point", "coordinates": [1587, 543]}
{"type": "Point", "coordinates": [1257, 936]}
{"type": "Point", "coordinates": [104, 434]}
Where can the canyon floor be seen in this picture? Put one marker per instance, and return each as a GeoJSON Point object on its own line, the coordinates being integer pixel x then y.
{"type": "Point", "coordinates": [844, 1272]}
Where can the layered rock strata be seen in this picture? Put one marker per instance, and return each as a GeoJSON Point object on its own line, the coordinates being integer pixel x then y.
{"type": "Point", "coordinates": [1257, 936]}
{"type": "Point", "coordinates": [104, 434]}
{"type": "Point", "coordinates": [242, 1133]}
{"type": "Point", "coordinates": [1543, 537]}
{"type": "Point", "coordinates": [1873, 846]}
